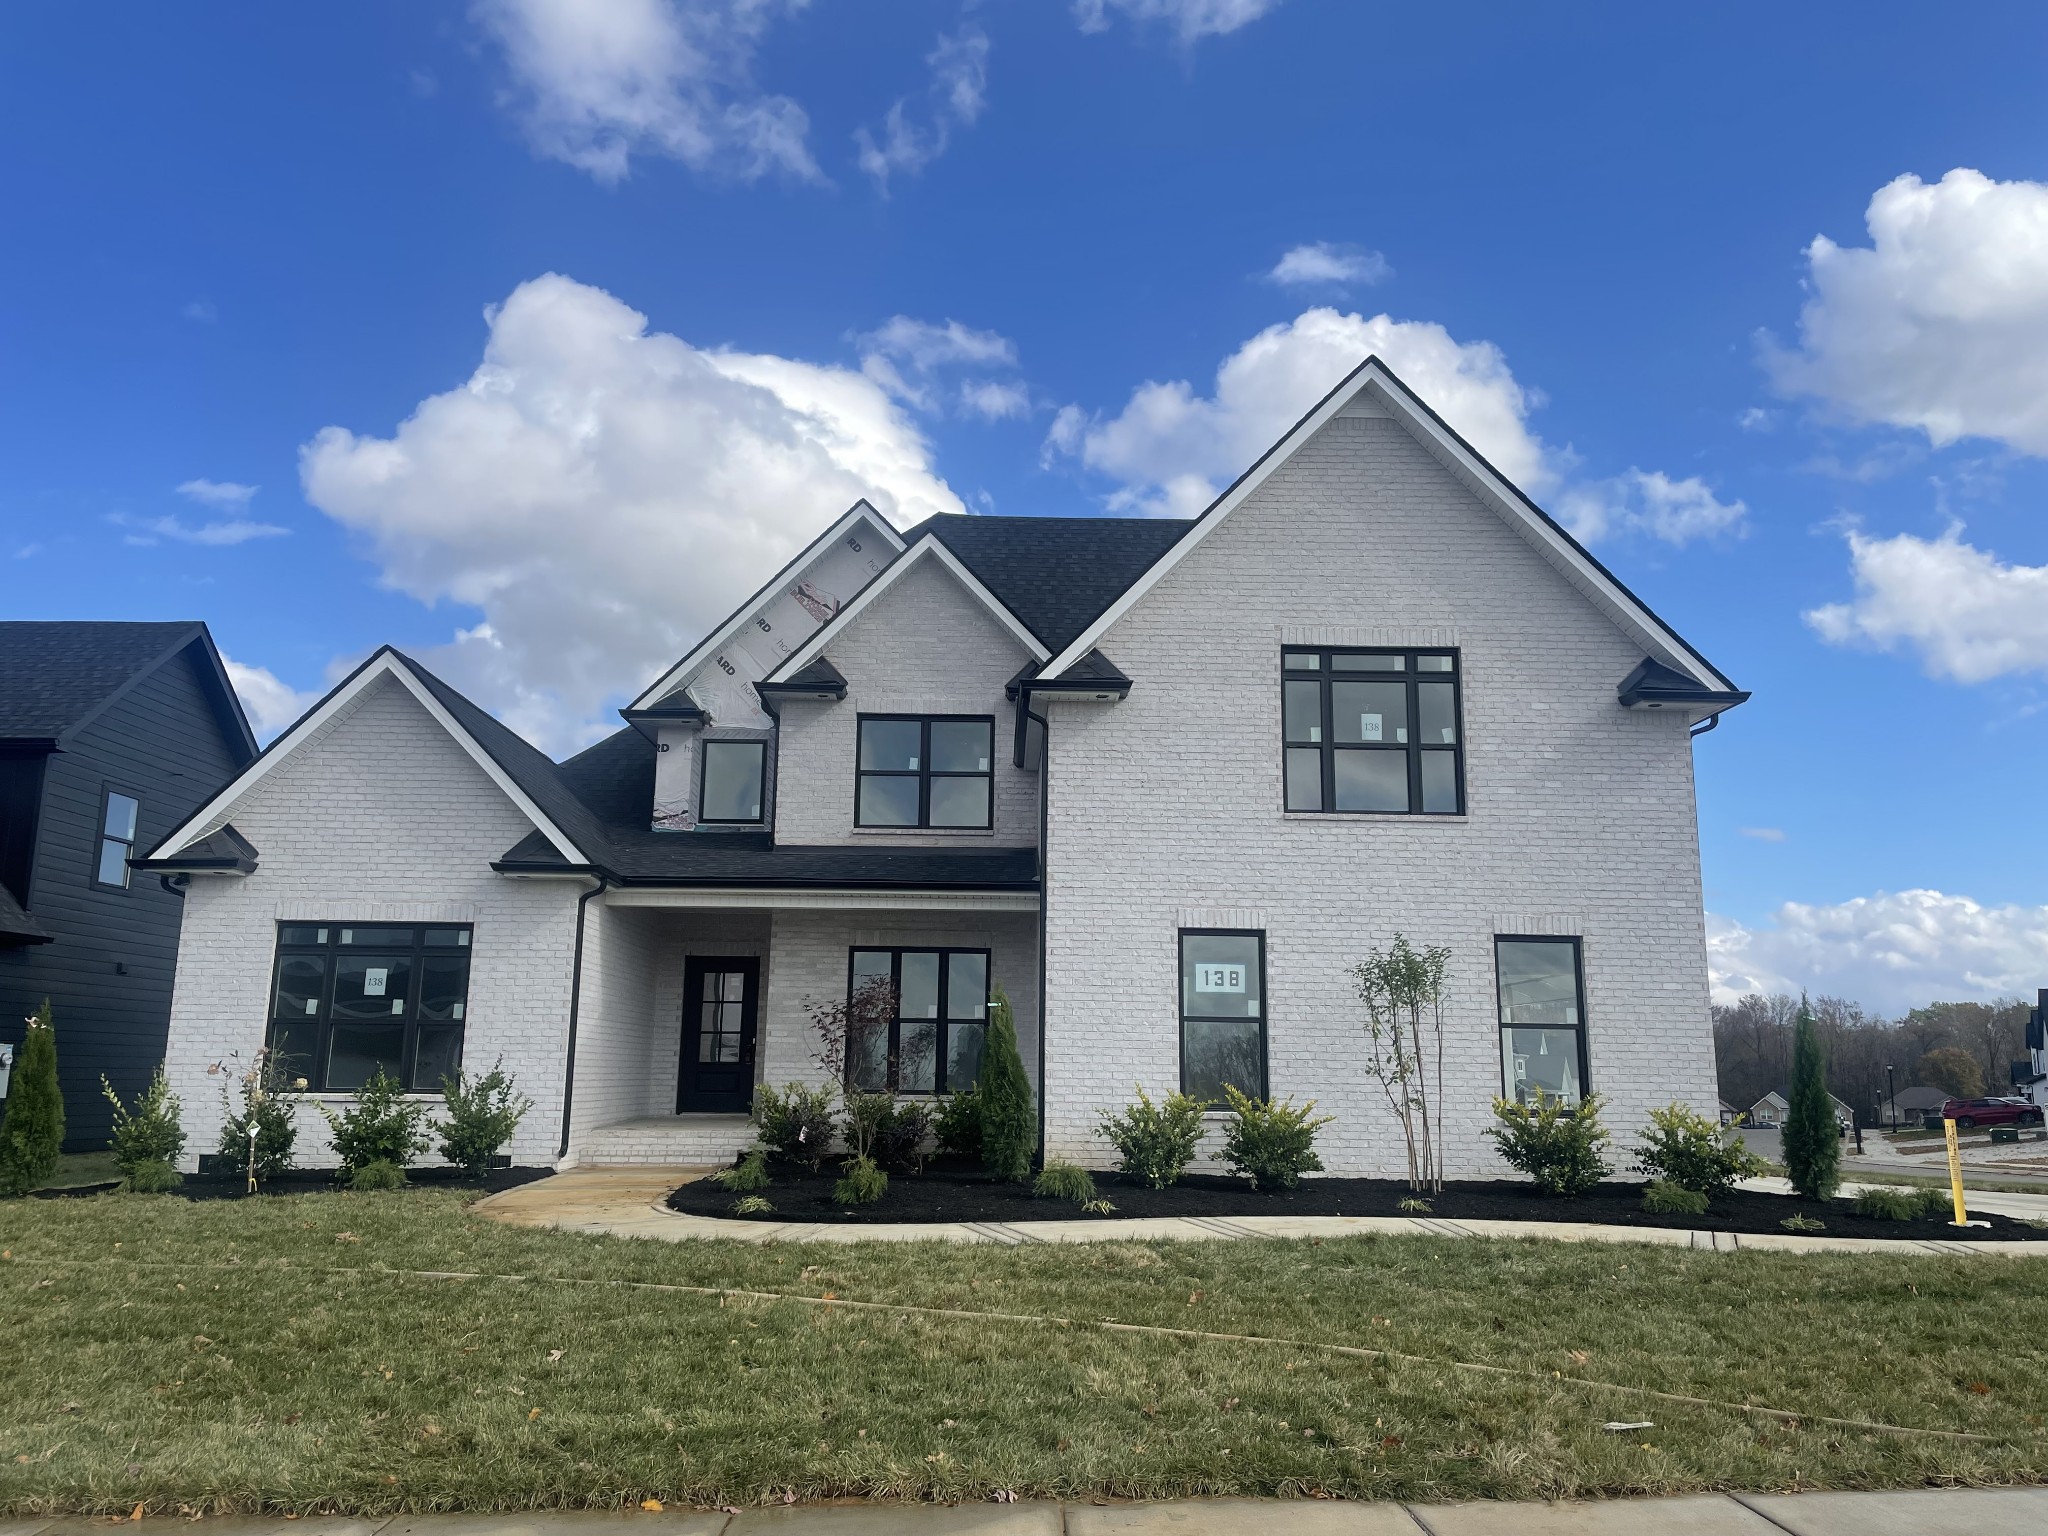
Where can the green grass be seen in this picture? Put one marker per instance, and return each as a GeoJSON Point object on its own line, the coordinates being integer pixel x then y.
{"type": "Point", "coordinates": [269, 1354]}
{"type": "Point", "coordinates": [76, 1168]}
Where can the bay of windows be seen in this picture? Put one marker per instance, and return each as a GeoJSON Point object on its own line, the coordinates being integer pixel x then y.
{"type": "Point", "coordinates": [931, 1042]}
{"type": "Point", "coordinates": [349, 1000]}
{"type": "Point", "coordinates": [1373, 731]}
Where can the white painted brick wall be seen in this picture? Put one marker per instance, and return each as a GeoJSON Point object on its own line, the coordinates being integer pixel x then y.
{"type": "Point", "coordinates": [924, 647]}
{"type": "Point", "coordinates": [379, 818]}
{"type": "Point", "coordinates": [1166, 812]}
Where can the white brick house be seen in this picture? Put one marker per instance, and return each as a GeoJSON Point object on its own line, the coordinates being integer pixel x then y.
{"type": "Point", "coordinates": [1164, 781]}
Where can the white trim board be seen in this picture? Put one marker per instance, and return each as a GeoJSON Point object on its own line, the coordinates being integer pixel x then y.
{"type": "Point", "coordinates": [1384, 389]}
{"type": "Point", "coordinates": [386, 663]}
{"type": "Point", "coordinates": [680, 673]}
{"type": "Point", "coordinates": [926, 547]}
{"type": "Point", "coordinates": [754, 898]}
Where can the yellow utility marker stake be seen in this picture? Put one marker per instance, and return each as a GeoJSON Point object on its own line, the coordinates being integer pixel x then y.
{"type": "Point", "coordinates": [1955, 1171]}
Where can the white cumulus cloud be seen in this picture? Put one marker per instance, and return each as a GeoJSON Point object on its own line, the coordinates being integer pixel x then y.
{"type": "Point", "coordinates": [912, 360]}
{"type": "Point", "coordinates": [956, 97]}
{"type": "Point", "coordinates": [1326, 265]}
{"type": "Point", "coordinates": [272, 704]}
{"type": "Point", "coordinates": [1968, 615]}
{"type": "Point", "coordinates": [223, 495]}
{"type": "Point", "coordinates": [1941, 322]}
{"type": "Point", "coordinates": [1649, 502]}
{"type": "Point", "coordinates": [595, 82]}
{"type": "Point", "coordinates": [602, 494]}
{"type": "Point", "coordinates": [1190, 20]}
{"type": "Point", "coordinates": [1891, 951]}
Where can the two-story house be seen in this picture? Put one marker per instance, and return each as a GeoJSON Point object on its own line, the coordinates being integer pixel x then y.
{"type": "Point", "coordinates": [1166, 781]}
{"type": "Point", "coordinates": [111, 734]}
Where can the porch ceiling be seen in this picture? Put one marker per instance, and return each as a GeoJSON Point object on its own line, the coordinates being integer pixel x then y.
{"type": "Point", "coordinates": [754, 898]}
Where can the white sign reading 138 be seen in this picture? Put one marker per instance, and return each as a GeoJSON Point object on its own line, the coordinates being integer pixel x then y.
{"type": "Point", "coordinates": [1219, 978]}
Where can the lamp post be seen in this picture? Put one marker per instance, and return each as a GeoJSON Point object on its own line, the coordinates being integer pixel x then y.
{"type": "Point", "coordinates": [1892, 1092]}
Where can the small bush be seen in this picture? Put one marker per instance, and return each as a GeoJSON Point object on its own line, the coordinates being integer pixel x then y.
{"type": "Point", "coordinates": [1685, 1148]}
{"type": "Point", "coordinates": [861, 1183]}
{"type": "Point", "coordinates": [1891, 1203]}
{"type": "Point", "coordinates": [893, 1133]}
{"type": "Point", "coordinates": [1414, 1205]}
{"type": "Point", "coordinates": [1155, 1141]}
{"type": "Point", "coordinates": [1935, 1204]}
{"type": "Point", "coordinates": [959, 1123]}
{"type": "Point", "coordinates": [378, 1173]}
{"type": "Point", "coordinates": [151, 1177]}
{"type": "Point", "coordinates": [1009, 1130]}
{"type": "Point", "coordinates": [148, 1133]}
{"type": "Point", "coordinates": [482, 1115]}
{"type": "Point", "coordinates": [267, 1107]}
{"type": "Point", "coordinates": [382, 1126]}
{"type": "Point", "coordinates": [753, 1205]}
{"type": "Point", "coordinates": [1665, 1198]}
{"type": "Point", "coordinates": [1103, 1208]}
{"type": "Point", "coordinates": [1269, 1141]}
{"type": "Point", "coordinates": [1556, 1144]}
{"type": "Point", "coordinates": [1803, 1223]}
{"type": "Point", "coordinates": [32, 1124]}
{"type": "Point", "coordinates": [747, 1175]}
{"type": "Point", "coordinates": [795, 1122]}
{"type": "Point", "coordinates": [1064, 1181]}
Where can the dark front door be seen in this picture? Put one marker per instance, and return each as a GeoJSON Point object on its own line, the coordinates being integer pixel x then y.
{"type": "Point", "coordinates": [720, 998]}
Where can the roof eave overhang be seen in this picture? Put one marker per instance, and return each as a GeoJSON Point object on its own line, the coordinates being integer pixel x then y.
{"type": "Point", "coordinates": [238, 868]}
{"type": "Point", "coordinates": [648, 722]}
{"type": "Point", "coordinates": [1702, 700]}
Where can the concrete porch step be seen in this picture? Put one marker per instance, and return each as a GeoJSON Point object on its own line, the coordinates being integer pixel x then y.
{"type": "Point", "coordinates": [670, 1139]}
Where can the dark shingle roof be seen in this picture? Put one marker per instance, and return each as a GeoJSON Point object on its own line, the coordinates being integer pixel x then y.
{"type": "Point", "coordinates": [16, 926]}
{"type": "Point", "coordinates": [1057, 574]}
{"type": "Point", "coordinates": [54, 675]}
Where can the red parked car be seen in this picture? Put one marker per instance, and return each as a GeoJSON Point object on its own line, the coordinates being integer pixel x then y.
{"type": "Point", "coordinates": [1969, 1112]}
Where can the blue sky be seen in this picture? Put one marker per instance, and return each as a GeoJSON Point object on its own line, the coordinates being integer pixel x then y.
{"type": "Point", "coordinates": [527, 334]}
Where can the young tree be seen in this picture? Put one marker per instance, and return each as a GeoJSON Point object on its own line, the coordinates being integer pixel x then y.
{"type": "Point", "coordinates": [853, 1033]}
{"type": "Point", "coordinates": [1811, 1138]}
{"type": "Point", "coordinates": [1009, 1131]}
{"type": "Point", "coordinates": [1402, 989]}
{"type": "Point", "coordinates": [32, 1131]}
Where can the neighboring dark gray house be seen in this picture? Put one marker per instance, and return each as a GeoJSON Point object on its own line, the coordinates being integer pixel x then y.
{"type": "Point", "coordinates": [110, 735]}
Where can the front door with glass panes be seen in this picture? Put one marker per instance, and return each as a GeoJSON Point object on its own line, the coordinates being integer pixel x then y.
{"type": "Point", "coordinates": [720, 998]}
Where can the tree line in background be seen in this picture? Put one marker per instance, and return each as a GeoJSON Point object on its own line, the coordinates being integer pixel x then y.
{"type": "Point", "coordinates": [1963, 1049]}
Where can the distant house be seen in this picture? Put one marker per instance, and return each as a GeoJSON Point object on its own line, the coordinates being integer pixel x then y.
{"type": "Point", "coordinates": [110, 735]}
{"type": "Point", "coordinates": [1917, 1106]}
{"type": "Point", "coordinates": [1771, 1109]}
{"type": "Point", "coordinates": [1728, 1112]}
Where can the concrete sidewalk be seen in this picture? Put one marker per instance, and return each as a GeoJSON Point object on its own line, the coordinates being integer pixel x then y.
{"type": "Point", "coordinates": [1917, 1512]}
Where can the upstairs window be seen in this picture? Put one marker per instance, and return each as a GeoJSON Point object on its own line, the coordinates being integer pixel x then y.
{"type": "Point", "coordinates": [1542, 1019]}
{"type": "Point", "coordinates": [735, 775]}
{"type": "Point", "coordinates": [118, 816]}
{"type": "Point", "coordinates": [1373, 731]}
{"type": "Point", "coordinates": [925, 771]}
{"type": "Point", "coordinates": [350, 1000]}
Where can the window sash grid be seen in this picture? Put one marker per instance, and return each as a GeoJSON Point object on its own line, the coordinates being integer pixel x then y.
{"type": "Point", "coordinates": [943, 1022]}
{"type": "Point", "coordinates": [1324, 675]}
{"type": "Point", "coordinates": [924, 773]}
{"type": "Point", "coordinates": [322, 1023]}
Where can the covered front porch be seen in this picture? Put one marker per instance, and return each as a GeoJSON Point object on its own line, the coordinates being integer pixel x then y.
{"type": "Point", "coordinates": [689, 999]}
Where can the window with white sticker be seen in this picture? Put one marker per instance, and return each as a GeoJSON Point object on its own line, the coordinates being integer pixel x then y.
{"type": "Point", "coordinates": [1371, 731]}
{"type": "Point", "coordinates": [350, 1000]}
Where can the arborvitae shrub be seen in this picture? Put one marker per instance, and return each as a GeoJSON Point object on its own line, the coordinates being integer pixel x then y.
{"type": "Point", "coordinates": [32, 1126]}
{"type": "Point", "coordinates": [1811, 1139]}
{"type": "Point", "coordinates": [1009, 1130]}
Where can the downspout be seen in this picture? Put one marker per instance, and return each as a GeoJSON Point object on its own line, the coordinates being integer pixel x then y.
{"type": "Point", "coordinates": [1044, 867]}
{"type": "Point", "coordinates": [575, 1006]}
{"type": "Point", "coordinates": [1711, 721]}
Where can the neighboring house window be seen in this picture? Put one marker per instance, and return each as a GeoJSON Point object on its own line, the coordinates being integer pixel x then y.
{"type": "Point", "coordinates": [1542, 1018]}
{"type": "Point", "coordinates": [350, 1000]}
{"type": "Point", "coordinates": [118, 813]}
{"type": "Point", "coordinates": [1222, 1012]}
{"type": "Point", "coordinates": [734, 775]}
{"type": "Point", "coordinates": [1377, 731]}
{"type": "Point", "coordinates": [925, 771]}
{"type": "Point", "coordinates": [933, 1044]}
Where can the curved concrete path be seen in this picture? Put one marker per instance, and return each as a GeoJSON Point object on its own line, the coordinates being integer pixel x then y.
{"type": "Point", "coordinates": [629, 1202]}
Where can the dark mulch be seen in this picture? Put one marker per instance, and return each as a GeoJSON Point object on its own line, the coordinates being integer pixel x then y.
{"type": "Point", "coordinates": [230, 1186]}
{"type": "Point", "coordinates": [950, 1190]}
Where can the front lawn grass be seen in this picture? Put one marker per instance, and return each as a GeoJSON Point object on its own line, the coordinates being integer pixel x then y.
{"type": "Point", "coordinates": [271, 1354]}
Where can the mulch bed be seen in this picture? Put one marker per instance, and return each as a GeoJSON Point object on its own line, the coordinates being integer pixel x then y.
{"type": "Point", "coordinates": [232, 1186]}
{"type": "Point", "coordinates": [956, 1190]}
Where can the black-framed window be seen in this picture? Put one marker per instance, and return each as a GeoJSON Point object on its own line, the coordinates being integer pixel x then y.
{"type": "Point", "coordinates": [926, 771]}
{"type": "Point", "coordinates": [733, 782]}
{"type": "Point", "coordinates": [1373, 731]}
{"type": "Point", "coordinates": [933, 1042]}
{"type": "Point", "coordinates": [1542, 989]}
{"type": "Point", "coordinates": [350, 998]}
{"type": "Point", "coordinates": [1222, 1012]}
{"type": "Point", "coordinates": [119, 815]}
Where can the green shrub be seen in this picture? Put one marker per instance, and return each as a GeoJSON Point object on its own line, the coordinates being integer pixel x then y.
{"type": "Point", "coordinates": [747, 1175]}
{"type": "Point", "coordinates": [753, 1205]}
{"type": "Point", "coordinates": [1935, 1203]}
{"type": "Point", "coordinates": [1009, 1130]}
{"type": "Point", "coordinates": [959, 1124]}
{"type": "Point", "coordinates": [1414, 1205]}
{"type": "Point", "coordinates": [1269, 1141]}
{"type": "Point", "coordinates": [1556, 1144]}
{"type": "Point", "coordinates": [267, 1108]}
{"type": "Point", "coordinates": [148, 1133]}
{"type": "Point", "coordinates": [483, 1113]}
{"type": "Point", "coordinates": [1667, 1198]}
{"type": "Point", "coordinates": [1064, 1181]}
{"type": "Point", "coordinates": [1685, 1148]}
{"type": "Point", "coordinates": [860, 1183]}
{"type": "Point", "coordinates": [1803, 1223]}
{"type": "Point", "coordinates": [1811, 1139]}
{"type": "Point", "coordinates": [795, 1122]}
{"type": "Point", "coordinates": [32, 1125]}
{"type": "Point", "coordinates": [151, 1177]}
{"type": "Point", "coordinates": [378, 1173]}
{"type": "Point", "coordinates": [1888, 1202]}
{"type": "Point", "coordinates": [891, 1131]}
{"type": "Point", "coordinates": [1103, 1208]}
{"type": "Point", "coordinates": [381, 1126]}
{"type": "Point", "coordinates": [1156, 1142]}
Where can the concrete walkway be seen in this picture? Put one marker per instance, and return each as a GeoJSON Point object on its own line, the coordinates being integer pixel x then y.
{"type": "Point", "coordinates": [629, 1202]}
{"type": "Point", "coordinates": [1918, 1512]}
